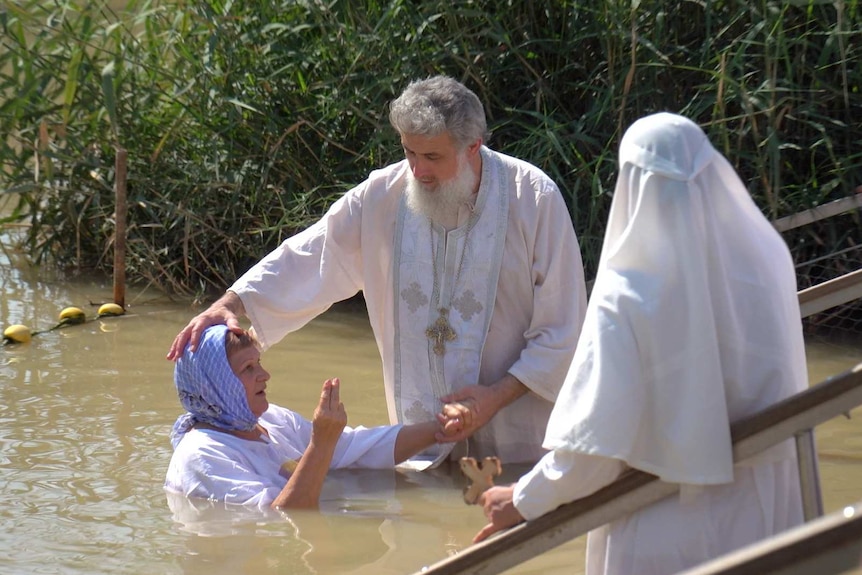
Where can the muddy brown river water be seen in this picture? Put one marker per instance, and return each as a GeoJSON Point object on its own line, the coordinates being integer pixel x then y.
{"type": "Point", "coordinates": [85, 413]}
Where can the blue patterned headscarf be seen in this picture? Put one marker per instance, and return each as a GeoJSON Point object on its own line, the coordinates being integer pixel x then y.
{"type": "Point", "coordinates": [208, 388]}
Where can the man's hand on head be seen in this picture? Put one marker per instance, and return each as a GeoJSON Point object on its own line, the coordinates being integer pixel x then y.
{"type": "Point", "coordinates": [226, 310]}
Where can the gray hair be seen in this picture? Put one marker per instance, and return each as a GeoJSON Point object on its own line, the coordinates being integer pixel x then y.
{"type": "Point", "coordinates": [436, 105]}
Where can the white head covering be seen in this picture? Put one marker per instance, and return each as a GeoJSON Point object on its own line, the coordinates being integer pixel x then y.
{"type": "Point", "coordinates": [693, 321]}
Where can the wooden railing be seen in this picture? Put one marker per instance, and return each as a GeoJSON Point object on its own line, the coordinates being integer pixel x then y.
{"type": "Point", "coordinates": [635, 489]}
{"type": "Point", "coordinates": [826, 546]}
{"type": "Point", "coordinates": [834, 292]}
{"type": "Point", "coordinates": [831, 293]}
{"type": "Point", "coordinates": [821, 212]}
{"type": "Point", "coordinates": [816, 547]}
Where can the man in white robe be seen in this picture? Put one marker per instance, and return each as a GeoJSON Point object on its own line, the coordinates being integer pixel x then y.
{"type": "Point", "coordinates": [470, 270]}
{"type": "Point", "coordinates": [693, 323]}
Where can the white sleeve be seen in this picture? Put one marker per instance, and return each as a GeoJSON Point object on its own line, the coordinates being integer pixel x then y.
{"type": "Point", "coordinates": [306, 274]}
{"type": "Point", "coordinates": [560, 477]}
{"type": "Point", "coordinates": [559, 298]}
{"type": "Point", "coordinates": [358, 447]}
{"type": "Point", "coordinates": [368, 448]}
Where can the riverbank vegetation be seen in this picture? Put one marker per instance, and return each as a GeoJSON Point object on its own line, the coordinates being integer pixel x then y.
{"type": "Point", "coordinates": [243, 121]}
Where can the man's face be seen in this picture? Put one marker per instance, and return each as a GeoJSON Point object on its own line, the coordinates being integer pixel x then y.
{"type": "Point", "coordinates": [245, 364]}
{"type": "Point", "coordinates": [432, 159]}
{"type": "Point", "coordinates": [441, 179]}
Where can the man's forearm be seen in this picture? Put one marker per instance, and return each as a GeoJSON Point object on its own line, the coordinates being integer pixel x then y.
{"type": "Point", "coordinates": [232, 302]}
{"type": "Point", "coordinates": [507, 389]}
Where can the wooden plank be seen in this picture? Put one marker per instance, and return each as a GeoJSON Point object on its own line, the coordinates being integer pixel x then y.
{"type": "Point", "coordinates": [818, 213]}
{"type": "Point", "coordinates": [635, 489]}
{"type": "Point", "coordinates": [120, 214]}
{"type": "Point", "coordinates": [827, 545]}
{"type": "Point", "coordinates": [813, 300]}
{"type": "Point", "coordinates": [829, 394]}
{"type": "Point", "coordinates": [809, 475]}
{"type": "Point", "coordinates": [831, 293]}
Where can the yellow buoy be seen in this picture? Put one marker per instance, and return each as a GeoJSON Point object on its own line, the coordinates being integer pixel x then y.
{"type": "Point", "coordinates": [72, 315]}
{"type": "Point", "coordinates": [16, 334]}
{"type": "Point", "coordinates": [109, 309]}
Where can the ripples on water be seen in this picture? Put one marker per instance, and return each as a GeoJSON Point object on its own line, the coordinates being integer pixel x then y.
{"type": "Point", "coordinates": [85, 413]}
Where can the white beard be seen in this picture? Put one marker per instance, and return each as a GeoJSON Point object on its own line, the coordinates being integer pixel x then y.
{"type": "Point", "coordinates": [441, 203]}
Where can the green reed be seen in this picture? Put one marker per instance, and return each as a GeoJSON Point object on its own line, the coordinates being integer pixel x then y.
{"type": "Point", "coordinates": [243, 121]}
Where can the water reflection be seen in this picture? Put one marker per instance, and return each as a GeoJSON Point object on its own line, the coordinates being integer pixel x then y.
{"type": "Point", "coordinates": [85, 413]}
{"type": "Point", "coordinates": [369, 522]}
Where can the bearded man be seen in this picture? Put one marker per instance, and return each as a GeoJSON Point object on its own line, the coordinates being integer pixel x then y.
{"type": "Point", "coordinates": [470, 271]}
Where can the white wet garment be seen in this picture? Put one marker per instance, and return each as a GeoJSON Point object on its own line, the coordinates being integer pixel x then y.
{"type": "Point", "coordinates": [216, 465]}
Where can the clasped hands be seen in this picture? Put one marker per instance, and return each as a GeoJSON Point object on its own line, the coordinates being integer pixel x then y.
{"type": "Point", "coordinates": [461, 415]}
{"type": "Point", "coordinates": [464, 411]}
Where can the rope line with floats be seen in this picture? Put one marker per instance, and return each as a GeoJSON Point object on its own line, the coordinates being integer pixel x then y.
{"type": "Point", "coordinates": [19, 333]}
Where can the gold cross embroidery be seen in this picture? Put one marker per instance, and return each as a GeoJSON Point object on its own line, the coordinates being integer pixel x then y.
{"type": "Point", "coordinates": [441, 331]}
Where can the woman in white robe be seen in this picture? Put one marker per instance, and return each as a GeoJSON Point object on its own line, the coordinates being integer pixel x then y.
{"type": "Point", "coordinates": [693, 323]}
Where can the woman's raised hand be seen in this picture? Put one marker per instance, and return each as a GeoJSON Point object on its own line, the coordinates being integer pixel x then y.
{"type": "Point", "coordinates": [330, 416]}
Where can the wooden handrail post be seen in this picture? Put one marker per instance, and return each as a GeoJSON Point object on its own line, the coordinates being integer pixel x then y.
{"type": "Point", "coordinates": [809, 475]}
{"type": "Point", "coordinates": [120, 227]}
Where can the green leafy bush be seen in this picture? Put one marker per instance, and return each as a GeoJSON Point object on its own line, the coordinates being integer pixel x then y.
{"type": "Point", "coordinates": [243, 121]}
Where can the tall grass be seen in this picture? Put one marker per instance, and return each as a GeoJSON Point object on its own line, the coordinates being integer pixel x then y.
{"type": "Point", "coordinates": [244, 121]}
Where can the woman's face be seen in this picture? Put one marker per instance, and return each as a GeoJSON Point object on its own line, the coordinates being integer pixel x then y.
{"type": "Point", "coordinates": [245, 364]}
